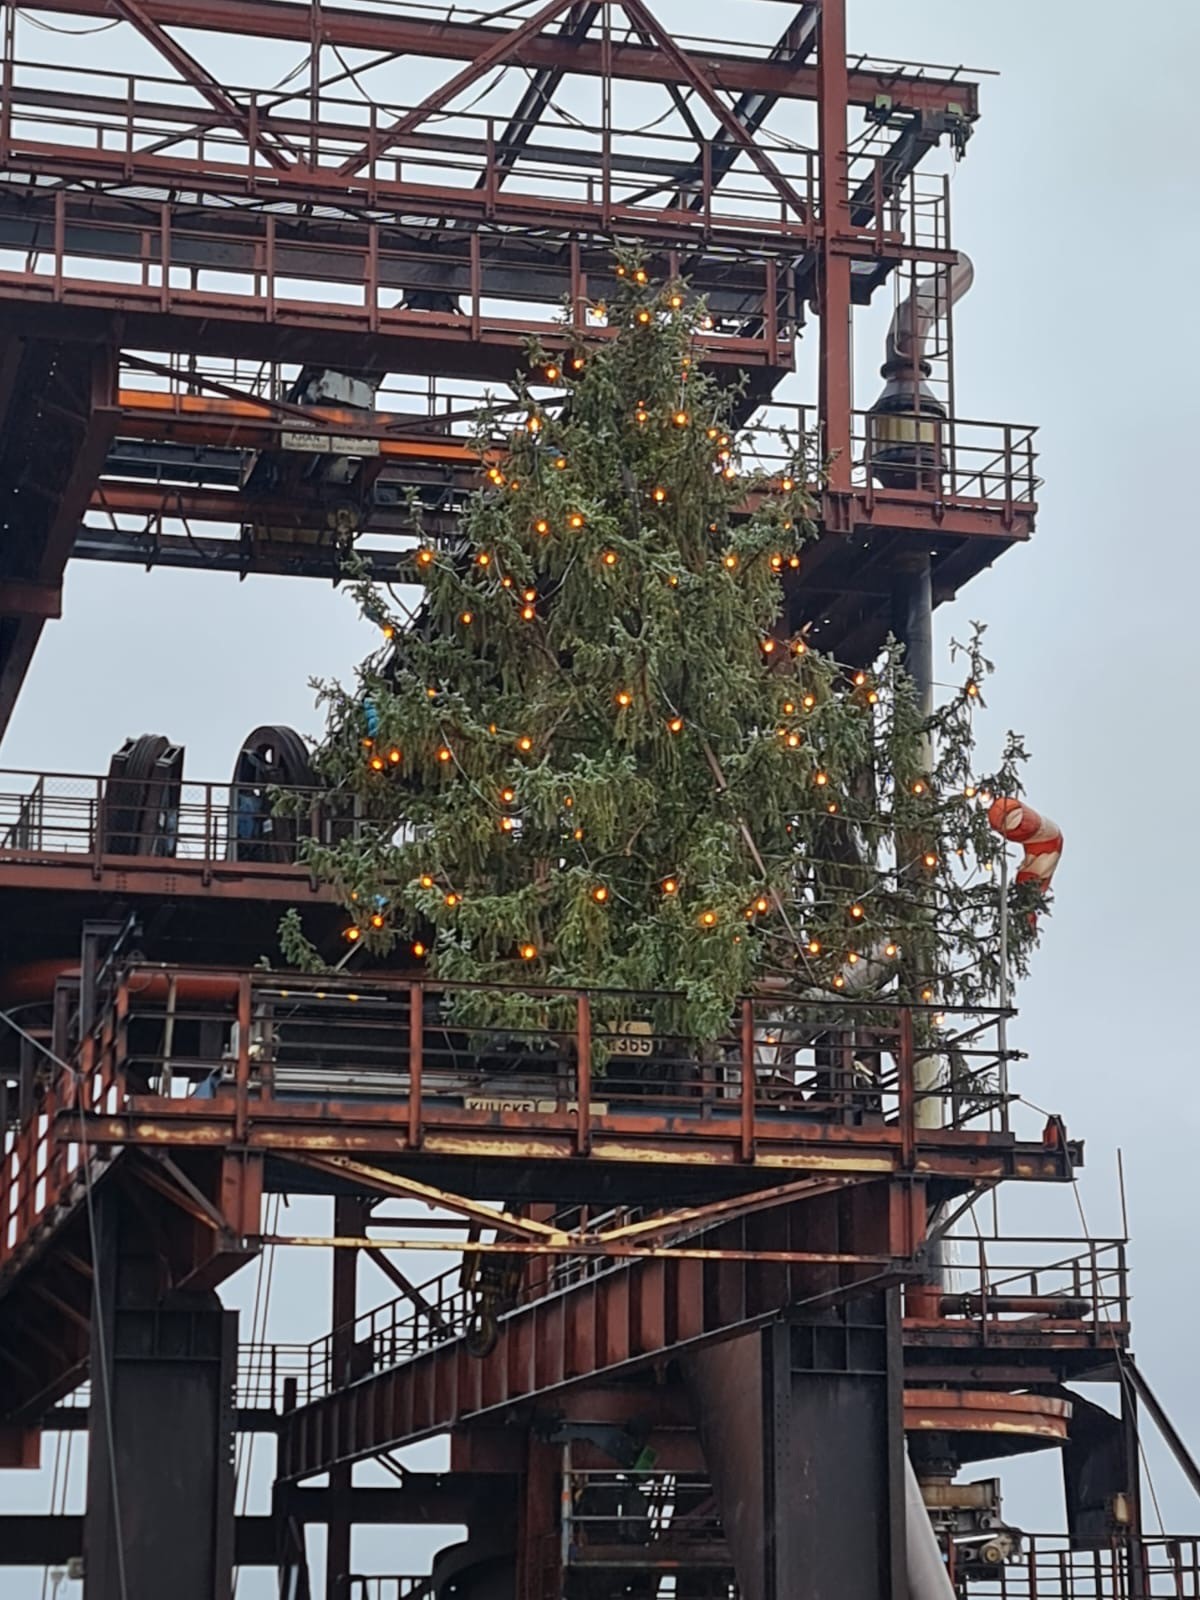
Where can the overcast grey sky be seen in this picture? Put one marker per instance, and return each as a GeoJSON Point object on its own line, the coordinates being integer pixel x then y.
{"type": "Point", "coordinates": [1078, 203]}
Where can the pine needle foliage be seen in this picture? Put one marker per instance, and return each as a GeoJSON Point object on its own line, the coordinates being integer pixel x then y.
{"type": "Point", "coordinates": [595, 755]}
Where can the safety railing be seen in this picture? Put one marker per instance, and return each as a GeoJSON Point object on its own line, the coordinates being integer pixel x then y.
{"type": "Point", "coordinates": [1121, 1568]}
{"type": "Point", "coordinates": [998, 1287]}
{"type": "Point", "coordinates": [567, 1064]}
{"type": "Point", "coordinates": [383, 1586]}
{"type": "Point", "coordinates": [641, 1519]}
{"type": "Point", "coordinates": [74, 120]}
{"type": "Point", "coordinates": [56, 814]}
{"type": "Point", "coordinates": [194, 261]}
{"type": "Point", "coordinates": [950, 459]}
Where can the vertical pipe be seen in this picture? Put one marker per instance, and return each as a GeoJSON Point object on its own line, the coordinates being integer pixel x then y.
{"type": "Point", "coordinates": [416, 1046]}
{"type": "Point", "coordinates": [583, 1074]}
{"type": "Point", "coordinates": [747, 1080]}
{"type": "Point", "coordinates": [835, 390]}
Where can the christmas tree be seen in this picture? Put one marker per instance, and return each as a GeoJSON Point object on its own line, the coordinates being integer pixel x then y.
{"type": "Point", "coordinates": [594, 755]}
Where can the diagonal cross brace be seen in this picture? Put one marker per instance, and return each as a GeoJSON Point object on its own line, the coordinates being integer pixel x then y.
{"type": "Point", "coordinates": [199, 77]}
{"type": "Point", "coordinates": [496, 53]}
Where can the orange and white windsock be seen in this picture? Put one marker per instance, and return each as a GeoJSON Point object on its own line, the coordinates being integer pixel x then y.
{"type": "Point", "coordinates": [1042, 839]}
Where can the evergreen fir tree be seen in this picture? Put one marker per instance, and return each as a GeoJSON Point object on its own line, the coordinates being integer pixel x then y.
{"type": "Point", "coordinates": [596, 756]}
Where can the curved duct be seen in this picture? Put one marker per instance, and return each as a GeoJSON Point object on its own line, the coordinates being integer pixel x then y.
{"type": "Point", "coordinates": [904, 427]}
{"type": "Point", "coordinates": [271, 758]}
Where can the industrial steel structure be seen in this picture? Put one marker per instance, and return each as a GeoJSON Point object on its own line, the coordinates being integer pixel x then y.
{"type": "Point", "coordinates": [696, 1341]}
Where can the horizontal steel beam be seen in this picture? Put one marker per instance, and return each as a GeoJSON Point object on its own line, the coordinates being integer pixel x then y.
{"type": "Point", "coordinates": [463, 41]}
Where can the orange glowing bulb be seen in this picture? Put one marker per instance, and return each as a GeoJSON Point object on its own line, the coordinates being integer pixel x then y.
{"type": "Point", "coordinates": [506, 824]}
{"type": "Point", "coordinates": [794, 562]}
{"type": "Point", "coordinates": [534, 424]}
{"type": "Point", "coordinates": [623, 697]}
{"type": "Point", "coordinates": [788, 707]}
{"type": "Point", "coordinates": [508, 796]}
{"type": "Point", "coordinates": [643, 317]}
{"type": "Point", "coordinates": [762, 903]}
{"type": "Point", "coordinates": [377, 920]}
{"type": "Point", "coordinates": [609, 558]}
{"type": "Point", "coordinates": [575, 520]}
{"type": "Point", "coordinates": [528, 952]}
{"type": "Point", "coordinates": [376, 763]}
{"type": "Point", "coordinates": [768, 646]}
{"type": "Point", "coordinates": [670, 886]}
{"type": "Point", "coordinates": [599, 894]}
{"type": "Point", "coordinates": [708, 919]}
{"type": "Point", "coordinates": [972, 690]}
{"type": "Point", "coordinates": [418, 949]}
{"type": "Point", "coordinates": [821, 779]}
{"type": "Point", "coordinates": [577, 363]}
{"type": "Point", "coordinates": [891, 950]}
{"type": "Point", "coordinates": [794, 741]}
{"type": "Point", "coordinates": [659, 495]}
{"type": "Point", "coordinates": [640, 275]}
{"type": "Point", "coordinates": [675, 725]}
{"type": "Point", "coordinates": [681, 419]}
{"type": "Point", "coordinates": [918, 787]}
{"type": "Point", "coordinates": [560, 462]}
{"type": "Point", "coordinates": [799, 647]}
{"type": "Point", "coordinates": [838, 981]}
{"type": "Point", "coordinates": [445, 753]}
{"type": "Point", "coordinates": [676, 301]}
{"type": "Point", "coordinates": [552, 374]}
{"type": "Point", "coordinates": [388, 631]}
{"type": "Point", "coordinates": [528, 613]}
{"type": "Point", "coordinates": [352, 934]}
{"type": "Point", "coordinates": [730, 561]}
{"type": "Point", "coordinates": [426, 881]}
{"type": "Point", "coordinates": [832, 808]}
{"type": "Point", "coordinates": [788, 485]}
{"type": "Point", "coordinates": [777, 563]}
{"type": "Point", "coordinates": [641, 415]}
{"type": "Point", "coordinates": [466, 618]}
{"type": "Point", "coordinates": [525, 743]}
{"type": "Point", "coordinates": [809, 701]}
{"type": "Point", "coordinates": [857, 912]}
{"type": "Point", "coordinates": [483, 559]}
{"type": "Point", "coordinates": [814, 947]}
{"type": "Point", "coordinates": [451, 899]}
{"type": "Point", "coordinates": [394, 756]}
{"type": "Point", "coordinates": [541, 526]}
{"type": "Point", "coordinates": [424, 557]}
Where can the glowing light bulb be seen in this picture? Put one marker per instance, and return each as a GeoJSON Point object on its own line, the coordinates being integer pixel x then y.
{"type": "Point", "coordinates": [681, 419]}
{"type": "Point", "coordinates": [787, 485]}
{"type": "Point", "coordinates": [609, 558]}
{"type": "Point", "coordinates": [534, 424]}
{"type": "Point", "coordinates": [762, 903]}
{"type": "Point", "coordinates": [424, 557]}
{"type": "Point", "coordinates": [777, 562]}
{"type": "Point", "coordinates": [552, 374]}
{"type": "Point", "coordinates": [918, 787]}
{"type": "Point", "coordinates": [431, 692]}
{"type": "Point", "coordinates": [891, 951]}
{"type": "Point", "coordinates": [394, 755]}
{"type": "Point", "coordinates": [927, 995]}
{"type": "Point", "coordinates": [814, 947]}
{"type": "Point", "coordinates": [659, 495]}
{"type": "Point", "coordinates": [426, 881]}
{"type": "Point", "coordinates": [376, 763]}
{"type": "Point", "coordinates": [794, 563]}
{"type": "Point", "coordinates": [673, 581]}
{"type": "Point", "coordinates": [641, 415]}
{"type": "Point", "coordinates": [508, 796]}
{"type": "Point", "coordinates": [969, 791]}
{"type": "Point", "coordinates": [676, 301]}
{"type": "Point", "coordinates": [388, 631]}
{"type": "Point", "coordinates": [832, 808]}
{"type": "Point", "coordinates": [708, 919]}
{"type": "Point", "coordinates": [352, 934]}
{"type": "Point", "coordinates": [670, 886]}
{"type": "Point", "coordinates": [857, 912]}
{"type": "Point", "coordinates": [529, 595]}
{"type": "Point", "coordinates": [972, 690]}
{"type": "Point", "coordinates": [620, 271]}
{"type": "Point", "coordinates": [466, 618]}
{"type": "Point", "coordinates": [541, 526]}
{"type": "Point", "coordinates": [675, 725]}
{"type": "Point", "coordinates": [852, 958]}
{"type": "Point", "coordinates": [929, 859]}
{"type": "Point", "coordinates": [711, 433]}
{"type": "Point", "coordinates": [506, 824]}
{"type": "Point", "coordinates": [528, 613]}
{"type": "Point", "coordinates": [577, 363]}
{"type": "Point", "coordinates": [506, 582]}
{"type": "Point", "coordinates": [860, 679]}
{"type": "Point", "coordinates": [377, 920]}
{"type": "Point", "coordinates": [623, 698]}
{"type": "Point", "coordinates": [418, 949]}
{"type": "Point", "coordinates": [640, 275]}
{"type": "Point", "coordinates": [838, 981]}
{"type": "Point", "coordinates": [525, 743]}
{"type": "Point", "coordinates": [451, 899]}
{"type": "Point", "coordinates": [528, 952]}
{"type": "Point", "coordinates": [809, 701]}
{"type": "Point", "coordinates": [643, 317]}
{"type": "Point", "coordinates": [568, 801]}
{"type": "Point", "coordinates": [789, 707]}
{"type": "Point", "coordinates": [821, 779]}
{"type": "Point", "coordinates": [575, 520]}
{"type": "Point", "coordinates": [599, 894]}
{"type": "Point", "coordinates": [731, 561]}
{"type": "Point", "coordinates": [483, 559]}
{"type": "Point", "coordinates": [445, 753]}
{"type": "Point", "coordinates": [767, 646]}
{"type": "Point", "coordinates": [560, 462]}
{"type": "Point", "coordinates": [794, 741]}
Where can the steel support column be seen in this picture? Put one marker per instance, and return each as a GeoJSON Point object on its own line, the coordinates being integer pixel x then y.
{"type": "Point", "coordinates": [835, 393]}
{"type": "Point", "coordinates": [350, 1214]}
{"type": "Point", "coordinates": [160, 1512]}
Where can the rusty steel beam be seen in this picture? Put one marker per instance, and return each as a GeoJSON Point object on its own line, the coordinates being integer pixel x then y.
{"type": "Point", "coordinates": [463, 41]}
{"type": "Point", "coordinates": [616, 1322]}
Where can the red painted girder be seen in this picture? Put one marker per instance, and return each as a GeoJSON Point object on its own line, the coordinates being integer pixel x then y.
{"type": "Point", "coordinates": [462, 41]}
